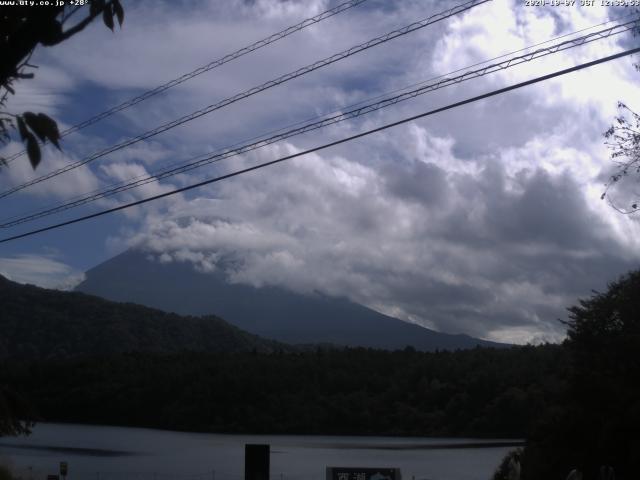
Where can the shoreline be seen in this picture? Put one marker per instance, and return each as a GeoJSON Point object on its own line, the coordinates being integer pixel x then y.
{"type": "Point", "coordinates": [340, 446]}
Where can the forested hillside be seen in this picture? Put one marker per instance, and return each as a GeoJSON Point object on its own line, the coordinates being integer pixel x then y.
{"type": "Point", "coordinates": [36, 323]}
{"type": "Point", "coordinates": [575, 403]}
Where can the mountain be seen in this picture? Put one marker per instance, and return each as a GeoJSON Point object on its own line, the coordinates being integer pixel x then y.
{"type": "Point", "coordinates": [36, 323]}
{"type": "Point", "coordinates": [270, 312]}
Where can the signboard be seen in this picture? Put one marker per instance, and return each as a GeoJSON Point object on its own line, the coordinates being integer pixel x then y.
{"type": "Point", "coordinates": [363, 473]}
{"type": "Point", "coordinates": [64, 467]}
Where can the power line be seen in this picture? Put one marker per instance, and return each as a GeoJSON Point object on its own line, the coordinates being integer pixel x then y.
{"type": "Point", "coordinates": [141, 180]}
{"type": "Point", "coordinates": [351, 114]}
{"type": "Point", "coordinates": [205, 68]}
{"type": "Point", "coordinates": [270, 84]}
{"type": "Point", "coordinates": [331, 144]}
{"type": "Point", "coordinates": [168, 166]}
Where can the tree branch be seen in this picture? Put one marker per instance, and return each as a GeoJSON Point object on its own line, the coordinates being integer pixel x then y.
{"type": "Point", "coordinates": [78, 27]}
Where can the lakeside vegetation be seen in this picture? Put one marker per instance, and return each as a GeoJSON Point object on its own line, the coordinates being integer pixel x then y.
{"type": "Point", "coordinates": [5, 473]}
{"type": "Point", "coordinates": [577, 404]}
{"type": "Point", "coordinates": [480, 392]}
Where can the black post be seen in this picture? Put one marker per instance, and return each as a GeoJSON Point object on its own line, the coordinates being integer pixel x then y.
{"type": "Point", "coordinates": [256, 462]}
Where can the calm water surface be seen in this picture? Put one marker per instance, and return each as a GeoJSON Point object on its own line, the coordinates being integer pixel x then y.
{"type": "Point", "coordinates": [116, 453]}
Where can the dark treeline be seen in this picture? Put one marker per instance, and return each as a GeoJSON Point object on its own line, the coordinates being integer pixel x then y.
{"type": "Point", "coordinates": [599, 421]}
{"type": "Point", "coordinates": [480, 392]}
{"type": "Point", "coordinates": [577, 404]}
{"type": "Point", "coordinates": [36, 323]}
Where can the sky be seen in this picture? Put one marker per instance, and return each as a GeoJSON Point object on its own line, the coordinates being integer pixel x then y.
{"type": "Point", "coordinates": [485, 219]}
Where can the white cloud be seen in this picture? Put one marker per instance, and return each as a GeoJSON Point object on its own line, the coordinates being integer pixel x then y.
{"type": "Point", "coordinates": [72, 183]}
{"type": "Point", "coordinates": [332, 224]}
{"type": "Point", "coordinates": [42, 270]}
{"type": "Point", "coordinates": [45, 93]}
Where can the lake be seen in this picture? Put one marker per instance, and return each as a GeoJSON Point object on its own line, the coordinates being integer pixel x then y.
{"type": "Point", "coordinates": [118, 453]}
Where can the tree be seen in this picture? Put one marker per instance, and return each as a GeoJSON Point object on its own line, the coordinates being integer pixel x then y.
{"type": "Point", "coordinates": [623, 138]}
{"type": "Point", "coordinates": [22, 29]}
{"type": "Point", "coordinates": [15, 413]}
{"type": "Point", "coordinates": [599, 421]}
{"type": "Point", "coordinates": [612, 316]}
{"type": "Point", "coordinates": [604, 339]}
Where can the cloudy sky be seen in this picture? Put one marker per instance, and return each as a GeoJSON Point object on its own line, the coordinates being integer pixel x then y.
{"type": "Point", "coordinates": [485, 220]}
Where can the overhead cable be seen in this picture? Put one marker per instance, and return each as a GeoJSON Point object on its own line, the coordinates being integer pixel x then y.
{"type": "Point", "coordinates": [443, 82]}
{"type": "Point", "coordinates": [205, 68]}
{"type": "Point", "coordinates": [270, 84]}
{"type": "Point", "coordinates": [328, 145]}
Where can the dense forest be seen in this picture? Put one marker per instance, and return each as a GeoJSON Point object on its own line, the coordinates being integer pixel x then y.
{"type": "Point", "coordinates": [44, 324]}
{"type": "Point", "coordinates": [480, 392]}
{"type": "Point", "coordinates": [598, 423]}
{"type": "Point", "coordinates": [577, 404]}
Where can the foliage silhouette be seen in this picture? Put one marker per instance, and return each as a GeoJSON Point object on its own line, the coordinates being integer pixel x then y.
{"type": "Point", "coordinates": [23, 28]}
{"type": "Point", "coordinates": [623, 138]}
{"type": "Point", "coordinates": [598, 422]}
{"type": "Point", "coordinates": [482, 392]}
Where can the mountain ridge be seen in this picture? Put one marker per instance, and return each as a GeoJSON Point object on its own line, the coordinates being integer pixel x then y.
{"type": "Point", "coordinates": [270, 312]}
{"type": "Point", "coordinates": [38, 323]}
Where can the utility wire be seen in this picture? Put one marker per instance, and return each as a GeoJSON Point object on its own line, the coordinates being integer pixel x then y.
{"type": "Point", "coordinates": [331, 144]}
{"type": "Point", "coordinates": [205, 68]}
{"type": "Point", "coordinates": [272, 83]}
{"type": "Point", "coordinates": [205, 159]}
{"type": "Point", "coordinates": [168, 166]}
{"type": "Point", "coordinates": [369, 99]}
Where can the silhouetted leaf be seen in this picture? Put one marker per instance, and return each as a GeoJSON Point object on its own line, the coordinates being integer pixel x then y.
{"type": "Point", "coordinates": [33, 150]}
{"type": "Point", "coordinates": [33, 122]}
{"type": "Point", "coordinates": [50, 129]}
{"type": "Point", "coordinates": [11, 90]}
{"type": "Point", "coordinates": [5, 123]}
{"type": "Point", "coordinates": [96, 7]}
{"type": "Point", "coordinates": [119, 11]}
{"type": "Point", "coordinates": [22, 128]}
{"type": "Point", "coordinates": [43, 126]}
{"type": "Point", "coordinates": [107, 16]}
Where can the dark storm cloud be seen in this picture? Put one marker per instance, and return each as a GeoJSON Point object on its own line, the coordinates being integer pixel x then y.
{"type": "Point", "coordinates": [546, 211]}
{"type": "Point", "coordinates": [421, 182]}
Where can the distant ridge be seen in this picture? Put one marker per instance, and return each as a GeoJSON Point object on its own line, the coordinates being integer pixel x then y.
{"type": "Point", "coordinates": [36, 323]}
{"type": "Point", "coordinates": [270, 312]}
